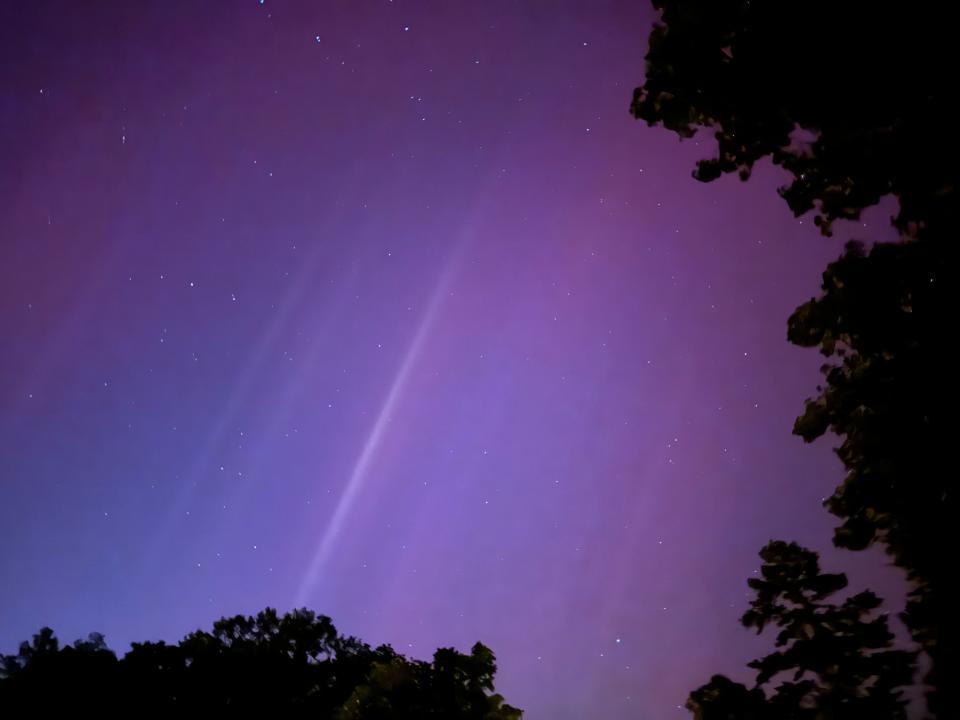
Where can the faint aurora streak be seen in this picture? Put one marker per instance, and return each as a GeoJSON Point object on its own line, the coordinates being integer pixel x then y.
{"type": "Point", "coordinates": [365, 459]}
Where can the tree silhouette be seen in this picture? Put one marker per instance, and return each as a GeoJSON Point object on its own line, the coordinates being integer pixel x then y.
{"type": "Point", "coordinates": [833, 660]}
{"type": "Point", "coordinates": [454, 685]}
{"type": "Point", "coordinates": [853, 101]}
{"type": "Point", "coordinates": [880, 318]}
{"type": "Point", "coordinates": [294, 664]}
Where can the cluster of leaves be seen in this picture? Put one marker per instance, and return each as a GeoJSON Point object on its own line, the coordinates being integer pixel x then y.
{"type": "Point", "coordinates": [295, 664]}
{"type": "Point", "coordinates": [881, 319]}
{"type": "Point", "coordinates": [833, 660]}
{"type": "Point", "coordinates": [854, 102]}
{"type": "Point", "coordinates": [852, 99]}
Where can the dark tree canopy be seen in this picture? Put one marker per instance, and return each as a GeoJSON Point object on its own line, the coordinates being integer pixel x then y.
{"type": "Point", "coordinates": [271, 665]}
{"type": "Point", "coordinates": [870, 84]}
{"type": "Point", "coordinates": [882, 320]}
{"type": "Point", "coordinates": [878, 318]}
{"type": "Point", "coordinates": [855, 101]}
{"type": "Point", "coordinates": [834, 660]}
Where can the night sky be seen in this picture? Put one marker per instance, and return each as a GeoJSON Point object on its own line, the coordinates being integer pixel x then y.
{"type": "Point", "coordinates": [391, 309]}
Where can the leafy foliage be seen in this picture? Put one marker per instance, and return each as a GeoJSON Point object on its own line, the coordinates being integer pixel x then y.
{"type": "Point", "coordinates": [853, 101]}
{"type": "Point", "coordinates": [294, 664]}
{"type": "Point", "coordinates": [453, 686]}
{"type": "Point", "coordinates": [881, 320]}
{"type": "Point", "coordinates": [833, 659]}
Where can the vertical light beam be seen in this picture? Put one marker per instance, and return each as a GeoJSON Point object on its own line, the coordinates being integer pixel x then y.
{"type": "Point", "coordinates": [361, 467]}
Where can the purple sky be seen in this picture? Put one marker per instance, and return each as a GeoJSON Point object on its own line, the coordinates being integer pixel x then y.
{"type": "Point", "coordinates": [391, 309]}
